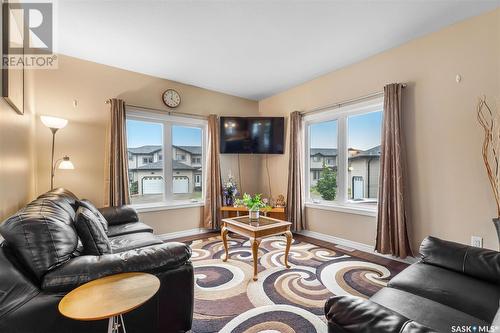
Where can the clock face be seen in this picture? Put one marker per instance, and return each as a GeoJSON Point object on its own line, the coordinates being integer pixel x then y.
{"type": "Point", "coordinates": [171, 98]}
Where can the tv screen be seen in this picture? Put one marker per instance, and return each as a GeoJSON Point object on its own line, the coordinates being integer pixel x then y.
{"type": "Point", "coordinates": [252, 135]}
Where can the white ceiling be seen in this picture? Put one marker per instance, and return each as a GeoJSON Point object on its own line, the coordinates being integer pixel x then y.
{"type": "Point", "coordinates": [252, 49]}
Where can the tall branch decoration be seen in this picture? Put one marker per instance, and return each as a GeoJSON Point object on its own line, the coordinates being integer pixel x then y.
{"type": "Point", "coordinates": [489, 120]}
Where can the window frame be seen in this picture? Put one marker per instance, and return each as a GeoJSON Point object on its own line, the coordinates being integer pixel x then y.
{"type": "Point", "coordinates": [340, 114]}
{"type": "Point", "coordinates": [168, 121]}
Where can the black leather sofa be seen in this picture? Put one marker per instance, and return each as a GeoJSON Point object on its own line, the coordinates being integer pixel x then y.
{"type": "Point", "coordinates": [42, 259]}
{"type": "Point", "coordinates": [453, 288]}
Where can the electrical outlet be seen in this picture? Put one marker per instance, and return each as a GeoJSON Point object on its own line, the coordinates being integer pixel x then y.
{"type": "Point", "coordinates": [476, 241]}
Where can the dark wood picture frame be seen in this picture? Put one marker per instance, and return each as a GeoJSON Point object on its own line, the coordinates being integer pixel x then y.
{"type": "Point", "coordinates": [12, 78]}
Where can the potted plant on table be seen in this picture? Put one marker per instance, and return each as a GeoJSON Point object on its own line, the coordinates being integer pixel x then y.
{"type": "Point", "coordinates": [254, 204]}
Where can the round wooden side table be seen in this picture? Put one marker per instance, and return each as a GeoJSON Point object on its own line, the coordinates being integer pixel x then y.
{"type": "Point", "coordinates": [109, 298]}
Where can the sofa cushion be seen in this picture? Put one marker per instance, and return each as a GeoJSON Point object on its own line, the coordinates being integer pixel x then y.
{"type": "Point", "coordinates": [41, 234]}
{"type": "Point", "coordinates": [64, 198]}
{"type": "Point", "coordinates": [90, 206]}
{"type": "Point", "coordinates": [91, 232]}
{"type": "Point", "coordinates": [157, 259]}
{"type": "Point", "coordinates": [462, 292]}
{"type": "Point", "coordinates": [133, 241]}
{"type": "Point", "coordinates": [128, 228]}
{"type": "Point", "coordinates": [355, 314]}
{"type": "Point", "coordinates": [424, 311]}
{"type": "Point", "coordinates": [480, 263]}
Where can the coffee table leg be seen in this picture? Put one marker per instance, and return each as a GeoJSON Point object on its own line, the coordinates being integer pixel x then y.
{"type": "Point", "coordinates": [289, 239]}
{"type": "Point", "coordinates": [255, 254]}
{"type": "Point", "coordinates": [114, 324]}
{"type": "Point", "coordinates": [223, 233]}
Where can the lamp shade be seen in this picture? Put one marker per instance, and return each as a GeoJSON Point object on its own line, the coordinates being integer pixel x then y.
{"type": "Point", "coordinates": [53, 122]}
{"type": "Point", "coordinates": [66, 164]}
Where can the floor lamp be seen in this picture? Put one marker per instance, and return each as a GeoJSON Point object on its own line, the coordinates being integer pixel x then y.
{"type": "Point", "coordinates": [55, 124]}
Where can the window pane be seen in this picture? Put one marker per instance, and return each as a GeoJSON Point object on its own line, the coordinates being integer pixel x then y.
{"type": "Point", "coordinates": [364, 134]}
{"type": "Point", "coordinates": [145, 146]}
{"type": "Point", "coordinates": [323, 161]}
{"type": "Point", "coordinates": [187, 163]}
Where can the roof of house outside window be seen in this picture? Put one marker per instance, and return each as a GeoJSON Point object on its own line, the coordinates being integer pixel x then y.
{"type": "Point", "coordinates": [150, 149]}
{"type": "Point", "coordinates": [332, 152]}
{"type": "Point", "coordinates": [176, 165]}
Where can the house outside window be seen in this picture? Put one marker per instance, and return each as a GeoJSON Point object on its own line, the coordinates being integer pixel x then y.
{"type": "Point", "coordinates": [349, 140]}
{"type": "Point", "coordinates": [162, 179]}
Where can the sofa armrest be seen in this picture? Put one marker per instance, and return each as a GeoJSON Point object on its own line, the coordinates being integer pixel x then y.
{"type": "Point", "coordinates": [354, 314]}
{"type": "Point", "coordinates": [150, 259]}
{"type": "Point", "coordinates": [476, 262]}
{"type": "Point", "coordinates": [119, 215]}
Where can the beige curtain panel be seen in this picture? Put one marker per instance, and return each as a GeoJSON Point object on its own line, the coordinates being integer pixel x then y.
{"type": "Point", "coordinates": [117, 159]}
{"type": "Point", "coordinates": [213, 183]}
{"type": "Point", "coordinates": [392, 220]}
{"type": "Point", "coordinates": [295, 193]}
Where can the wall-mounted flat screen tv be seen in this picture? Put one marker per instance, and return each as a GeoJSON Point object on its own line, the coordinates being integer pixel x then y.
{"type": "Point", "coordinates": [252, 135]}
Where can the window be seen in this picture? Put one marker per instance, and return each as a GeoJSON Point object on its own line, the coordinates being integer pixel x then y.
{"type": "Point", "coordinates": [363, 136]}
{"type": "Point", "coordinates": [190, 139]}
{"type": "Point", "coordinates": [197, 160]}
{"type": "Point", "coordinates": [349, 137]}
{"type": "Point", "coordinates": [323, 140]}
{"type": "Point", "coordinates": [130, 157]}
{"type": "Point", "coordinates": [197, 180]}
{"type": "Point", "coordinates": [162, 180]}
{"type": "Point", "coordinates": [180, 157]}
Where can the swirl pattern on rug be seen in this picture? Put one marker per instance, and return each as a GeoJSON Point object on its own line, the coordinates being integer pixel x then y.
{"type": "Point", "coordinates": [282, 300]}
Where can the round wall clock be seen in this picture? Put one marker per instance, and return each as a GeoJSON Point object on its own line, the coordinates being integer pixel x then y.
{"type": "Point", "coordinates": [171, 98]}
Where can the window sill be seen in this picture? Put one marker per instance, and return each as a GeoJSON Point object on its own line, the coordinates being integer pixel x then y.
{"type": "Point", "coordinates": [154, 207]}
{"type": "Point", "coordinates": [343, 208]}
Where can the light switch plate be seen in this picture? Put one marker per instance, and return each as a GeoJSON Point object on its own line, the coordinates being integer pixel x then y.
{"type": "Point", "coordinates": [476, 241]}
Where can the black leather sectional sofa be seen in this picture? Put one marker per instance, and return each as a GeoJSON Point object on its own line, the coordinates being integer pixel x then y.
{"type": "Point", "coordinates": [453, 288]}
{"type": "Point", "coordinates": [42, 259]}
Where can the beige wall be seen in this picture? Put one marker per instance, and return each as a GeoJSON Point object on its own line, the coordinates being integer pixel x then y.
{"type": "Point", "coordinates": [84, 137]}
{"type": "Point", "coordinates": [16, 155]}
{"type": "Point", "coordinates": [450, 194]}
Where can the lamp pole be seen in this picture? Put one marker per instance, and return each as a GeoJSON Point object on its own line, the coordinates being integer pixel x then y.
{"type": "Point", "coordinates": [52, 166]}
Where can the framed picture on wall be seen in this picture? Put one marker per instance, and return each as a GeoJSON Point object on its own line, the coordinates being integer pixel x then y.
{"type": "Point", "coordinates": [13, 73]}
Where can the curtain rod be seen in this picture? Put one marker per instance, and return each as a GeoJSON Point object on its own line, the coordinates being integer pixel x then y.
{"type": "Point", "coordinates": [170, 112]}
{"type": "Point", "coordinates": [346, 102]}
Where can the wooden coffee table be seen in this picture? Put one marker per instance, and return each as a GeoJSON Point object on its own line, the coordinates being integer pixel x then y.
{"type": "Point", "coordinates": [255, 231]}
{"type": "Point", "coordinates": [109, 297]}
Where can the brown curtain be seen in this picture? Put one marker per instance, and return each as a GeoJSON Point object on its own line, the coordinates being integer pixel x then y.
{"type": "Point", "coordinates": [213, 183]}
{"type": "Point", "coordinates": [392, 221]}
{"type": "Point", "coordinates": [295, 192]}
{"type": "Point", "coordinates": [117, 192]}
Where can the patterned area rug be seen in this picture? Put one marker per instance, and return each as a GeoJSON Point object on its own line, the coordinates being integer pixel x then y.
{"type": "Point", "coordinates": [282, 300]}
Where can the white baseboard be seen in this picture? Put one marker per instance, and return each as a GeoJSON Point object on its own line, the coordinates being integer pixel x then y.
{"type": "Point", "coordinates": [352, 244]}
{"type": "Point", "coordinates": [183, 233]}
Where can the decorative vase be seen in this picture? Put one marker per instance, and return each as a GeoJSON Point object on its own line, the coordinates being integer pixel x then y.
{"type": "Point", "coordinates": [496, 222]}
{"type": "Point", "coordinates": [229, 201]}
{"type": "Point", "coordinates": [254, 214]}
